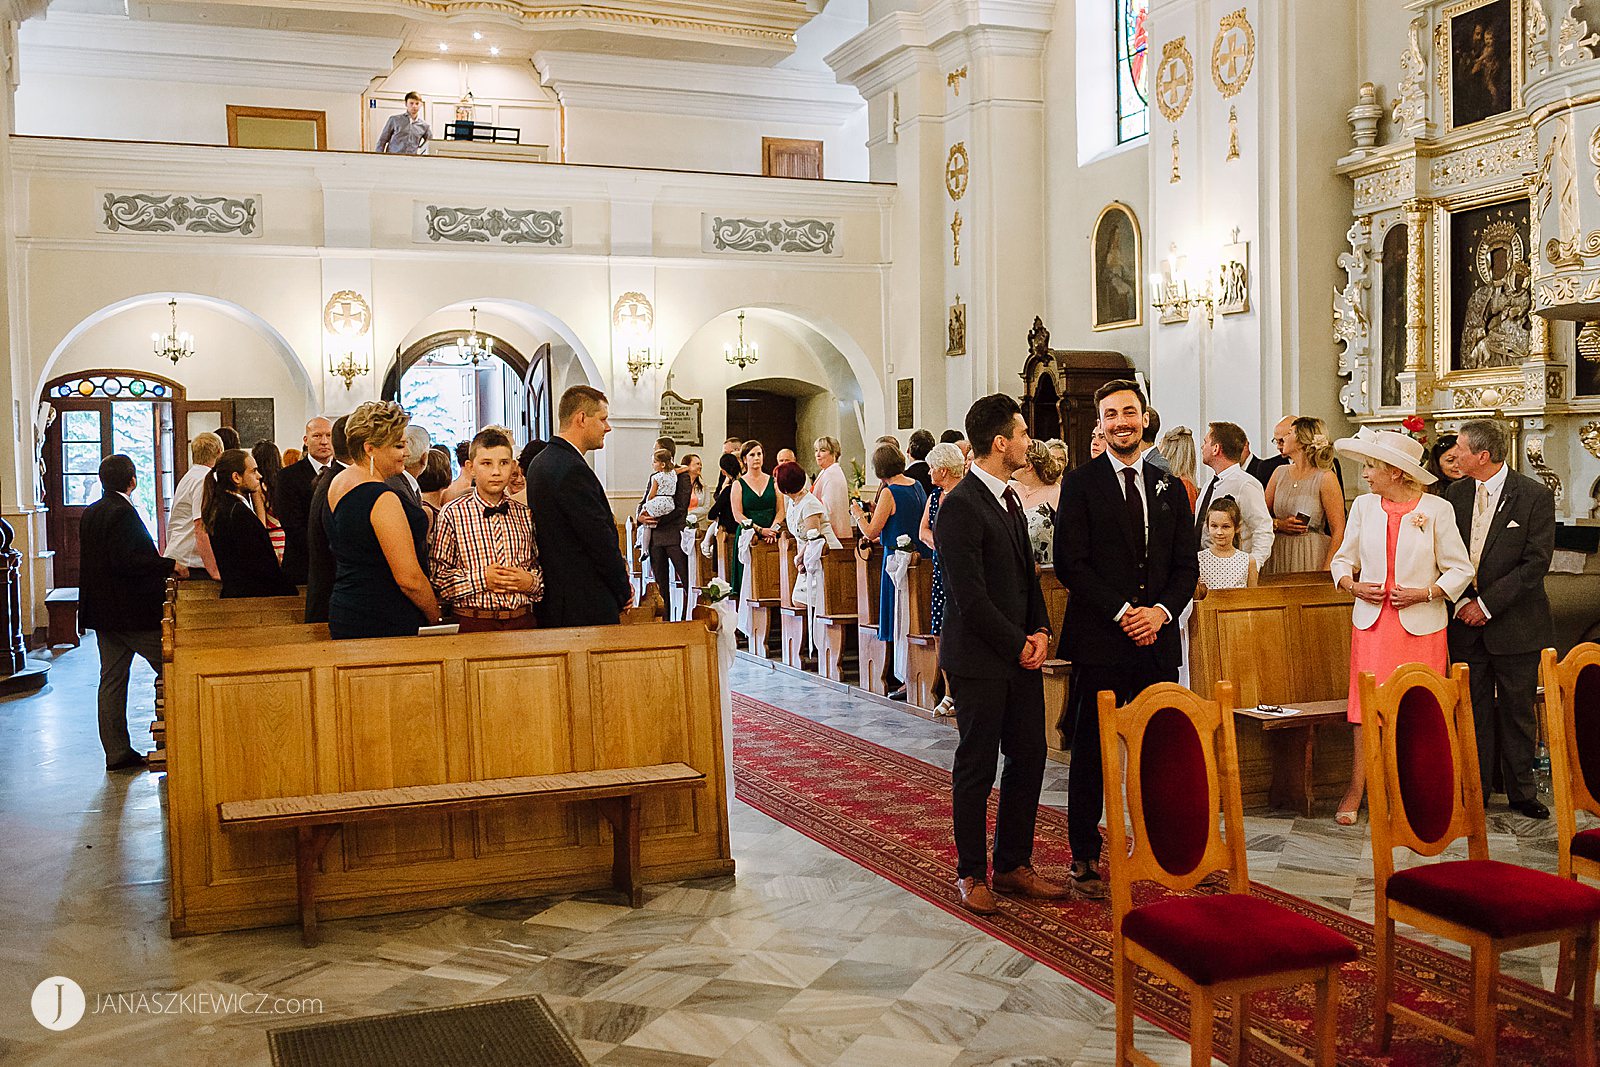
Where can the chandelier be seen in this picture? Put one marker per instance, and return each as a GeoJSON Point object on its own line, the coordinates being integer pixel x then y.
{"type": "Point", "coordinates": [174, 345]}
{"type": "Point", "coordinates": [472, 348]}
{"type": "Point", "coordinates": [744, 353]}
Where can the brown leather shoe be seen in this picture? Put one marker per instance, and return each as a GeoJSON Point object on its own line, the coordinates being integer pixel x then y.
{"type": "Point", "coordinates": [1025, 882]}
{"type": "Point", "coordinates": [975, 896]}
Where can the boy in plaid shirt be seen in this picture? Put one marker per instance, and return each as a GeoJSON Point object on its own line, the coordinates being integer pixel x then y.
{"type": "Point", "coordinates": [484, 561]}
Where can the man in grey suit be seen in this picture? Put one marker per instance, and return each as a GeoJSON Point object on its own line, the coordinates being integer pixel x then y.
{"type": "Point", "coordinates": [1503, 619]}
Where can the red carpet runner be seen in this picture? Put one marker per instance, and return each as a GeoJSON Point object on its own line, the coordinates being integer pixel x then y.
{"type": "Point", "coordinates": [891, 814]}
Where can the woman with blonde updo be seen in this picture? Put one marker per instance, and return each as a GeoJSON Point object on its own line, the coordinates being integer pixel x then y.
{"type": "Point", "coordinates": [379, 539]}
{"type": "Point", "coordinates": [1038, 486]}
{"type": "Point", "coordinates": [1306, 502]}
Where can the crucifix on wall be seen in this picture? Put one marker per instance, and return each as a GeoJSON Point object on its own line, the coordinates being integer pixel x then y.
{"type": "Point", "coordinates": [955, 233]}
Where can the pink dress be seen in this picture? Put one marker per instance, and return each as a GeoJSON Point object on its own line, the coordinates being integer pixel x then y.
{"type": "Point", "coordinates": [1386, 644]}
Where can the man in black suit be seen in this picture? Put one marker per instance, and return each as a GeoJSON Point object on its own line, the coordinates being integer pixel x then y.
{"type": "Point", "coordinates": [292, 501]}
{"type": "Point", "coordinates": [1125, 548]}
{"type": "Point", "coordinates": [917, 450]}
{"type": "Point", "coordinates": [121, 587]}
{"type": "Point", "coordinates": [1261, 469]}
{"type": "Point", "coordinates": [585, 581]}
{"type": "Point", "coordinates": [994, 640]}
{"type": "Point", "coordinates": [1501, 622]}
{"type": "Point", "coordinates": [320, 565]}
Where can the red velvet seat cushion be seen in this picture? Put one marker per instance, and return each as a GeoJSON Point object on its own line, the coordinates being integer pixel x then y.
{"type": "Point", "coordinates": [1587, 844]}
{"type": "Point", "coordinates": [1498, 899]}
{"type": "Point", "coordinates": [1200, 936]}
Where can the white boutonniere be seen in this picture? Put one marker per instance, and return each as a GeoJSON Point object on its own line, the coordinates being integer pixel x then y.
{"type": "Point", "coordinates": [716, 590]}
{"type": "Point", "coordinates": [813, 535]}
{"type": "Point", "coordinates": [1161, 486]}
{"type": "Point", "coordinates": [1420, 521]}
{"type": "Point", "coordinates": [902, 543]}
{"type": "Point", "coordinates": [747, 525]}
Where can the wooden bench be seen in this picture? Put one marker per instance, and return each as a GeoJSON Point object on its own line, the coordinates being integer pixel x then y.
{"type": "Point", "coordinates": [872, 655]}
{"type": "Point", "coordinates": [836, 614]}
{"type": "Point", "coordinates": [766, 595]}
{"type": "Point", "coordinates": [922, 653]}
{"type": "Point", "coordinates": [315, 819]}
{"type": "Point", "coordinates": [794, 619]}
{"type": "Point", "coordinates": [1286, 644]}
{"type": "Point", "coordinates": [61, 609]}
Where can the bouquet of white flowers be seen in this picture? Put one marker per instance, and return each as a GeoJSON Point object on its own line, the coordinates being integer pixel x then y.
{"type": "Point", "coordinates": [901, 544]}
{"type": "Point", "coordinates": [716, 591]}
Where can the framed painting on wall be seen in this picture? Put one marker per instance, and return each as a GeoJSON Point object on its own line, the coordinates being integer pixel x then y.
{"type": "Point", "coordinates": [1490, 298]}
{"type": "Point", "coordinates": [1483, 50]}
{"type": "Point", "coordinates": [1114, 264]}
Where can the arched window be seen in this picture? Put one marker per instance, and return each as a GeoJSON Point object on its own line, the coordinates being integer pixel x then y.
{"type": "Point", "coordinates": [1133, 103]}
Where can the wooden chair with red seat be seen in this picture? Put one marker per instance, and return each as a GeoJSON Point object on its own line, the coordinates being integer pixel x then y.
{"type": "Point", "coordinates": [1572, 730]}
{"type": "Point", "coordinates": [1182, 771]}
{"type": "Point", "coordinates": [1424, 794]}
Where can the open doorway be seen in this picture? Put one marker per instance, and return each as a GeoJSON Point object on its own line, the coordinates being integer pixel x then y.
{"type": "Point", "coordinates": [453, 397]}
{"type": "Point", "coordinates": [763, 415]}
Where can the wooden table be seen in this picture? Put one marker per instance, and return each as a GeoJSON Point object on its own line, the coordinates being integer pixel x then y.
{"type": "Point", "coordinates": [1292, 742]}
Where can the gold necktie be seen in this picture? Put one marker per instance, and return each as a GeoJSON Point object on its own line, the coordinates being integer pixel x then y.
{"type": "Point", "coordinates": [1480, 523]}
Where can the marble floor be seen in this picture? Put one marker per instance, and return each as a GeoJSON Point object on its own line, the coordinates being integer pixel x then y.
{"type": "Point", "coordinates": [801, 960]}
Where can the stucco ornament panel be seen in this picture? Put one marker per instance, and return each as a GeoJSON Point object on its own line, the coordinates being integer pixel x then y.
{"type": "Point", "coordinates": [1486, 162]}
{"type": "Point", "coordinates": [1351, 326]}
{"type": "Point", "coordinates": [1411, 110]}
{"type": "Point", "coordinates": [1576, 43]}
{"type": "Point", "coordinates": [180, 213]}
{"type": "Point", "coordinates": [1537, 34]}
{"type": "Point", "coordinates": [494, 225]}
{"type": "Point", "coordinates": [772, 236]}
{"type": "Point", "coordinates": [1388, 186]}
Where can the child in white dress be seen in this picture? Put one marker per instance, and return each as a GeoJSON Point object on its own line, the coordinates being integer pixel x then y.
{"type": "Point", "coordinates": [659, 497]}
{"type": "Point", "coordinates": [1222, 564]}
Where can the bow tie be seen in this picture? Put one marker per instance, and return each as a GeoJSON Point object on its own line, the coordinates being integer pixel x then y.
{"type": "Point", "coordinates": [502, 508]}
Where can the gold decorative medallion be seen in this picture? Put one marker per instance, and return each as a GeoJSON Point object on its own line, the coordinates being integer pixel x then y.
{"type": "Point", "coordinates": [347, 314]}
{"type": "Point", "coordinates": [955, 235]}
{"type": "Point", "coordinates": [1233, 53]}
{"type": "Point", "coordinates": [1175, 79]}
{"type": "Point", "coordinates": [955, 171]}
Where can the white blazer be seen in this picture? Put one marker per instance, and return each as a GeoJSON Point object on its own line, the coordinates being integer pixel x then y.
{"type": "Point", "coordinates": [1429, 551]}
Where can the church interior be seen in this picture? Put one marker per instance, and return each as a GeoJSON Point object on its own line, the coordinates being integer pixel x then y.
{"type": "Point", "coordinates": [779, 221]}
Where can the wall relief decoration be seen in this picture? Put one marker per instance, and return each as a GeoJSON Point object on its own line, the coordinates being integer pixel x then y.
{"type": "Point", "coordinates": [1233, 278]}
{"type": "Point", "coordinates": [1576, 43]}
{"type": "Point", "coordinates": [1233, 134]}
{"type": "Point", "coordinates": [1490, 299]}
{"type": "Point", "coordinates": [1114, 268]}
{"type": "Point", "coordinates": [957, 168]}
{"type": "Point", "coordinates": [1483, 53]}
{"type": "Point", "coordinates": [180, 213]}
{"type": "Point", "coordinates": [1589, 437]}
{"type": "Point", "coordinates": [1177, 175]}
{"type": "Point", "coordinates": [1350, 326]}
{"type": "Point", "coordinates": [1174, 79]}
{"type": "Point", "coordinates": [1233, 53]}
{"type": "Point", "coordinates": [955, 239]}
{"type": "Point", "coordinates": [1537, 32]}
{"type": "Point", "coordinates": [1410, 115]}
{"type": "Point", "coordinates": [347, 314]}
{"type": "Point", "coordinates": [767, 236]}
{"type": "Point", "coordinates": [493, 225]}
{"type": "Point", "coordinates": [957, 329]}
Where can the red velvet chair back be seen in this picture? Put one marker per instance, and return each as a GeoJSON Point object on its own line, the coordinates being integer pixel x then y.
{"type": "Point", "coordinates": [1182, 772]}
{"type": "Point", "coordinates": [1423, 791]}
{"type": "Point", "coordinates": [1572, 727]}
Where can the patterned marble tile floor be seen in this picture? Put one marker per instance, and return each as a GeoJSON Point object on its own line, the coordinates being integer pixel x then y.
{"type": "Point", "coordinates": [801, 960]}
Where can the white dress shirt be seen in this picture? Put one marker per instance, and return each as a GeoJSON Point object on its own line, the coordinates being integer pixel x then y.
{"type": "Point", "coordinates": [1255, 531]}
{"type": "Point", "coordinates": [994, 485]}
{"type": "Point", "coordinates": [181, 541]}
{"type": "Point", "coordinates": [1492, 487]}
{"type": "Point", "coordinates": [1137, 467]}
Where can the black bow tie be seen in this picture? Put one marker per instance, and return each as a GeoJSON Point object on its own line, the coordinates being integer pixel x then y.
{"type": "Point", "coordinates": [502, 508]}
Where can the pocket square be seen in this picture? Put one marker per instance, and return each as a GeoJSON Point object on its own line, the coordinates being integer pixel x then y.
{"type": "Point", "coordinates": [1513, 524]}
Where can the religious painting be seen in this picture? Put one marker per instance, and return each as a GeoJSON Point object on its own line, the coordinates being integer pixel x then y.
{"type": "Point", "coordinates": [1115, 264]}
{"type": "Point", "coordinates": [1490, 298]}
{"type": "Point", "coordinates": [1586, 373]}
{"type": "Point", "coordinates": [1233, 279]}
{"type": "Point", "coordinates": [957, 329]}
{"type": "Point", "coordinates": [1485, 74]}
{"type": "Point", "coordinates": [1392, 316]}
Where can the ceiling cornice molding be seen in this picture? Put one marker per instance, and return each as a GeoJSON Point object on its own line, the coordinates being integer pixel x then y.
{"type": "Point", "coordinates": [677, 87]}
{"type": "Point", "coordinates": [102, 46]}
{"type": "Point", "coordinates": [884, 53]}
{"type": "Point", "coordinates": [21, 10]}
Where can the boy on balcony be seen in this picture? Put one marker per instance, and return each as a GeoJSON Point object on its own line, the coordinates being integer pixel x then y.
{"type": "Point", "coordinates": [406, 134]}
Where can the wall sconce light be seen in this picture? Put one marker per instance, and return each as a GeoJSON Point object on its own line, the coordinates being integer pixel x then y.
{"type": "Point", "coordinates": [634, 321]}
{"type": "Point", "coordinates": [1176, 294]}
{"type": "Point", "coordinates": [353, 366]}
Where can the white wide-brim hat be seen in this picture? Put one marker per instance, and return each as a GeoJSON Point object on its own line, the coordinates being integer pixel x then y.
{"type": "Point", "coordinates": [1386, 446]}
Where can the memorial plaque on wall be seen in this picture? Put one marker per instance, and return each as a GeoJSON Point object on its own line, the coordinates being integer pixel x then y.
{"type": "Point", "coordinates": [681, 419]}
{"type": "Point", "coordinates": [904, 391]}
{"type": "Point", "coordinates": [253, 418]}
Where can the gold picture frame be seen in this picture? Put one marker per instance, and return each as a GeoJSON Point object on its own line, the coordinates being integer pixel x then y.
{"type": "Point", "coordinates": [1115, 253]}
{"type": "Point", "coordinates": [1480, 57]}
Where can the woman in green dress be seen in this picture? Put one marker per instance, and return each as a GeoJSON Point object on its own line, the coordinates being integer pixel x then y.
{"type": "Point", "coordinates": [754, 499]}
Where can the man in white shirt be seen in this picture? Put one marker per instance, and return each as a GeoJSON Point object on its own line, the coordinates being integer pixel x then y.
{"type": "Point", "coordinates": [184, 534]}
{"type": "Point", "coordinates": [1222, 449]}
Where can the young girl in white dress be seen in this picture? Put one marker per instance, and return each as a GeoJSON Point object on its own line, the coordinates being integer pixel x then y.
{"type": "Point", "coordinates": [1222, 564]}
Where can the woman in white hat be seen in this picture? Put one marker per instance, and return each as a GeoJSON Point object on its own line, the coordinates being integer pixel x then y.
{"type": "Point", "coordinates": [1403, 559]}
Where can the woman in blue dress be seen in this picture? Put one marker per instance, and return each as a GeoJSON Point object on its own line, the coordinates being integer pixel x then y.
{"type": "Point", "coordinates": [897, 512]}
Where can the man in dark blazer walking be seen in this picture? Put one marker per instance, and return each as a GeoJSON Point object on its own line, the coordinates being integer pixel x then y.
{"type": "Point", "coordinates": [1501, 622]}
{"type": "Point", "coordinates": [1125, 548]}
{"type": "Point", "coordinates": [292, 501]}
{"type": "Point", "coordinates": [121, 588]}
{"type": "Point", "coordinates": [994, 640]}
{"type": "Point", "coordinates": [585, 581]}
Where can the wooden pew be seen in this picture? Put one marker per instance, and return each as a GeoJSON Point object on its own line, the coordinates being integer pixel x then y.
{"type": "Point", "coordinates": [1286, 644]}
{"type": "Point", "coordinates": [631, 555]}
{"type": "Point", "coordinates": [922, 653]}
{"type": "Point", "coordinates": [872, 655]}
{"type": "Point", "coordinates": [765, 596]}
{"type": "Point", "coordinates": [1297, 578]}
{"type": "Point", "coordinates": [836, 614]}
{"type": "Point", "coordinates": [1055, 600]}
{"type": "Point", "coordinates": [794, 618]}
{"type": "Point", "coordinates": [316, 819]}
{"type": "Point", "coordinates": [306, 717]}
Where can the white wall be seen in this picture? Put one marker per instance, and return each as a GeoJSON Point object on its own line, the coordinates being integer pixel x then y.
{"type": "Point", "coordinates": [694, 142]}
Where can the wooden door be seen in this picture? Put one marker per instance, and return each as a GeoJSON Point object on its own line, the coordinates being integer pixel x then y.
{"type": "Point", "coordinates": [538, 405]}
{"type": "Point", "coordinates": [754, 414]}
{"type": "Point", "coordinates": [75, 444]}
{"type": "Point", "coordinates": [786, 157]}
{"type": "Point", "coordinates": [193, 417]}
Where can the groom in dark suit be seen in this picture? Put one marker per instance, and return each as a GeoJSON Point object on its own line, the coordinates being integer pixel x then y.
{"type": "Point", "coordinates": [1125, 548]}
{"type": "Point", "coordinates": [994, 641]}
{"type": "Point", "coordinates": [585, 581]}
{"type": "Point", "coordinates": [1501, 622]}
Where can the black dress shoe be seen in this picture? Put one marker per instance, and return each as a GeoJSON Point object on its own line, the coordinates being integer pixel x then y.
{"type": "Point", "coordinates": [1533, 809]}
{"type": "Point", "coordinates": [132, 761]}
{"type": "Point", "coordinates": [898, 694]}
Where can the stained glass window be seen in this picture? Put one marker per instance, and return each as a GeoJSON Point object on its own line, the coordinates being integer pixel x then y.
{"type": "Point", "coordinates": [123, 387]}
{"type": "Point", "coordinates": [1133, 102]}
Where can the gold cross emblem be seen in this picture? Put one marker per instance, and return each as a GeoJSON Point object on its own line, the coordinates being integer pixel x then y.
{"type": "Point", "coordinates": [1233, 53]}
{"type": "Point", "coordinates": [347, 314]}
{"type": "Point", "coordinates": [955, 171]}
{"type": "Point", "coordinates": [1174, 79]}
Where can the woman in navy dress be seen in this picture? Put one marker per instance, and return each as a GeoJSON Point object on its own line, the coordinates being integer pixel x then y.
{"type": "Point", "coordinates": [379, 539]}
{"type": "Point", "coordinates": [897, 512]}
